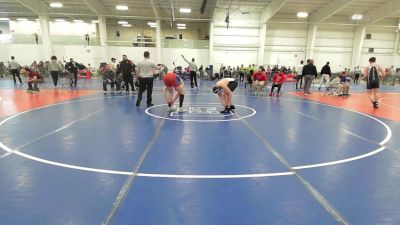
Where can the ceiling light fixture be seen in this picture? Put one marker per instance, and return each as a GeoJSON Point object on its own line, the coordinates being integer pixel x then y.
{"type": "Point", "coordinates": [357, 17]}
{"type": "Point", "coordinates": [22, 19]}
{"type": "Point", "coordinates": [181, 25]}
{"type": "Point", "coordinates": [126, 25]}
{"type": "Point", "coordinates": [4, 19]}
{"type": "Point", "coordinates": [302, 14]}
{"type": "Point", "coordinates": [152, 23]}
{"type": "Point", "coordinates": [78, 21]}
{"type": "Point", "coordinates": [122, 22]}
{"type": "Point", "coordinates": [185, 10]}
{"type": "Point", "coordinates": [181, 28]}
{"type": "Point", "coordinates": [59, 20]}
{"type": "Point", "coordinates": [56, 5]}
{"type": "Point", "coordinates": [95, 21]}
{"type": "Point", "coordinates": [122, 7]}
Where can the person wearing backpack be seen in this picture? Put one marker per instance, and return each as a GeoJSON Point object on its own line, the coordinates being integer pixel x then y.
{"type": "Point", "coordinates": [371, 75]}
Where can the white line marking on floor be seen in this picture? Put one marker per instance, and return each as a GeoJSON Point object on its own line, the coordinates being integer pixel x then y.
{"type": "Point", "coordinates": [211, 176]}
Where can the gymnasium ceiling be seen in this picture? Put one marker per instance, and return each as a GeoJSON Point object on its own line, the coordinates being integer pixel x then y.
{"type": "Point", "coordinates": [385, 12]}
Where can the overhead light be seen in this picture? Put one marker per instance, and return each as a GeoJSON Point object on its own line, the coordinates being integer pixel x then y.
{"type": "Point", "coordinates": [122, 22]}
{"type": "Point", "coordinates": [59, 20]}
{"type": "Point", "coordinates": [126, 25]}
{"type": "Point", "coordinates": [78, 21]}
{"type": "Point", "coordinates": [357, 17]}
{"type": "Point", "coordinates": [37, 19]}
{"type": "Point", "coordinates": [302, 14]}
{"type": "Point", "coordinates": [22, 19]}
{"type": "Point", "coordinates": [121, 7]}
{"type": "Point", "coordinates": [95, 21]}
{"type": "Point", "coordinates": [185, 10]}
{"type": "Point", "coordinates": [153, 26]}
{"type": "Point", "coordinates": [181, 28]}
{"type": "Point", "coordinates": [181, 24]}
{"type": "Point", "coordinates": [4, 19]}
{"type": "Point", "coordinates": [152, 23]}
{"type": "Point", "coordinates": [56, 5]}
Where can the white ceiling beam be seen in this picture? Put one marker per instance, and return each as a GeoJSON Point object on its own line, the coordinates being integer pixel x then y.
{"type": "Point", "coordinates": [213, 9]}
{"type": "Point", "coordinates": [154, 9]}
{"type": "Point", "coordinates": [329, 10]}
{"type": "Point", "coordinates": [35, 6]}
{"type": "Point", "coordinates": [271, 10]}
{"type": "Point", "coordinates": [96, 7]}
{"type": "Point", "coordinates": [382, 12]}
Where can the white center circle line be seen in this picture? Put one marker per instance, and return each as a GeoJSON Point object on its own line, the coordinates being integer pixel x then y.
{"type": "Point", "coordinates": [189, 176]}
{"type": "Point", "coordinates": [253, 112]}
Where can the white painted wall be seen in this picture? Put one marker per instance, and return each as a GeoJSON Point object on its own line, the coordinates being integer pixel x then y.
{"type": "Point", "coordinates": [72, 29]}
{"type": "Point", "coordinates": [24, 27]}
{"type": "Point", "coordinates": [24, 54]}
{"type": "Point", "coordinates": [195, 31]}
{"type": "Point", "coordinates": [92, 55]}
{"type": "Point", "coordinates": [383, 41]}
{"type": "Point", "coordinates": [5, 27]}
{"type": "Point", "coordinates": [56, 28]}
{"type": "Point", "coordinates": [238, 44]}
{"type": "Point", "coordinates": [285, 44]}
{"type": "Point", "coordinates": [334, 44]}
{"type": "Point", "coordinates": [171, 54]}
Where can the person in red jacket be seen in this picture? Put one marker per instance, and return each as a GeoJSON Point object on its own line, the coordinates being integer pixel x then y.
{"type": "Point", "coordinates": [34, 78]}
{"type": "Point", "coordinates": [277, 81]}
{"type": "Point", "coordinates": [259, 80]}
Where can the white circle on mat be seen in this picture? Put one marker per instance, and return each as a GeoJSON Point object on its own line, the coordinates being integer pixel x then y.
{"type": "Point", "coordinates": [202, 176]}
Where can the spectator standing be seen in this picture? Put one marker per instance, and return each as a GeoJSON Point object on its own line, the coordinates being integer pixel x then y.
{"type": "Point", "coordinates": [14, 69]}
{"type": "Point", "coordinates": [36, 38]}
{"type": "Point", "coordinates": [309, 72]}
{"type": "Point", "coordinates": [87, 39]}
{"type": "Point", "coordinates": [299, 75]}
{"type": "Point", "coordinates": [72, 67]}
{"type": "Point", "coordinates": [127, 68]}
{"type": "Point", "coordinates": [325, 76]}
{"type": "Point", "coordinates": [55, 69]}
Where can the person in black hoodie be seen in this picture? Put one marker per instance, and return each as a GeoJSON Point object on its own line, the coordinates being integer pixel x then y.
{"type": "Point", "coordinates": [325, 76]}
{"type": "Point", "coordinates": [126, 68]}
{"type": "Point", "coordinates": [72, 67]}
{"type": "Point", "coordinates": [309, 73]}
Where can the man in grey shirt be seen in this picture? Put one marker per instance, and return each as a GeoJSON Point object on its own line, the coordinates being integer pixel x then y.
{"type": "Point", "coordinates": [193, 72]}
{"type": "Point", "coordinates": [14, 69]}
{"type": "Point", "coordinates": [309, 73]}
{"type": "Point", "coordinates": [144, 75]}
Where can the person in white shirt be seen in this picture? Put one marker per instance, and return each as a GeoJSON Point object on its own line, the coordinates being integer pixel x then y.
{"type": "Point", "coordinates": [193, 72]}
{"type": "Point", "coordinates": [14, 69]}
{"type": "Point", "coordinates": [393, 74]}
{"type": "Point", "coordinates": [299, 75]}
{"type": "Point", "coordinates": [371, 74]}
{"type": "Point", "coordinates": [113, 65]}
{"type": "Point", "coordinates": [145, 77]}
